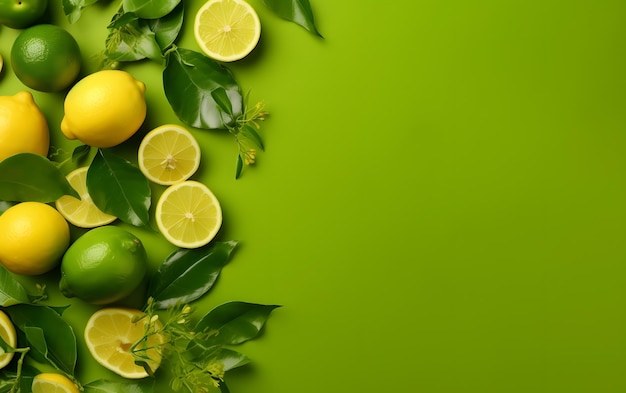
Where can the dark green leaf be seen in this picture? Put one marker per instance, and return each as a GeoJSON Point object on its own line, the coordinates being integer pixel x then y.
{"type": "Point", "coordinates": [231, 359]}
{"type": "Point", "coordinates": [235, 322]}
{"type": "Point", "coordinates": [31, 177]}
{"type": "Point", "coordinates": [57, 333]}
{"type": "Point", "coordinates": [297, 11]}
{"type": "Point", "coordinates": [80, 153]}
{"type": "Point", "coordinates": [189, 78]}
{"type": "Point", "coordinates": [104, 386]}
{"type": "Point", "coordinates": [239, 166]}
{"type": "Point", "coordinates": [167, 28]}
{"type": "Point", "coordinates": [223, 387]}
{"type": "Point", "coordinates": [187, 274]}
{"type": "Point", "coordinates": [119, 188]}
{"type": "Point", "coordinates": [250, 133]}
{"type": "Point", "coordinates": [4, 205]}
{"type": "Point", "coordinates": [222, 100]}
{"type": "Point", "coordinates": [5, 347]}
{"type": "Point", "coordinates": [131, 39]}
{"type": "Point", "coordinates": [37, 343]}
{"type": "Point", "coordinates": [11, 291]}
{"type": "Point", "coordinates": [150, 9]}
{"type": "Point", "coordinates": [73, 9]}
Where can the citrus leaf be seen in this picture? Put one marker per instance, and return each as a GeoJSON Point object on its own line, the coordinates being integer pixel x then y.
{"type": "Point", "coordinates": [239, 167]}
{"type": "Point", "coordinates": [31, 177]}
{"type": "Point", "coordinates": [11, 291]}
{"type": "Point", "coordinates": [119, 188]}
{"type": "Point", "coordinates": [131, 39]}
{"type": "Point", "coordinates": [80, 154]}
{"type": "Point", "coordinates": [73, 9]}
{"type": "Point", "coordinates": [297, 11]}
{"type": "Point", "coordinates": [187, 274]}
{"type": "Point", "coordinates": [189, 79]}
{"type": "Point", "coordinates": [234, 322]}
{"type": "Point", "coordinates": [150, 9]}
{"type": "Point", "coordinates": [104, 386]}
{"type": "Point", "coordinates": [167, 28]}
{"type": "Point", "coordinates": [250, 133]}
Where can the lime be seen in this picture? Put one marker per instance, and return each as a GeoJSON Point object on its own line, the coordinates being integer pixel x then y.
{"type": "Point", "coordinates": [46, 58]}
{"type": "Point", "coordinates": [23, 128]}
{"type": "Point", "coordinates": [53, 383]}
{"type": "Point", "coordinates": [19, 14]}
{"type": "Point", "coordinates": [103, 266]}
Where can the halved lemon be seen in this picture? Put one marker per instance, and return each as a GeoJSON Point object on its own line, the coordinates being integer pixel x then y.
{"type": "Point", "coordinates": [188, 214]}
{"type": "Point", "coordinates": [53, 383]}
{"type": "Point", "coordinates": [7, 332]}
{"type": "Point", "coordinates": [81, 212]}
{"type": "Point", "coordinates": [169, 154]}
{"type": "Point", "coordinates": [110, 334]}
{"type": "Point", "coordinates": [227, 30]}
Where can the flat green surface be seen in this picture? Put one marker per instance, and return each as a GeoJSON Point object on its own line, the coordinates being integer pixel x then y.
{"type": "Point", "coordinates": [442, 203]}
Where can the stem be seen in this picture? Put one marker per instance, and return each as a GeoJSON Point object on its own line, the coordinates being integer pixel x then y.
{"type": "Point", "coordinates": [20, 363]}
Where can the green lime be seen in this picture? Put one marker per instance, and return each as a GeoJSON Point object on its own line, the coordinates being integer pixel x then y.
{"type": "Point", "coordinates": [103, 266]}
{"type": "Point", "coordinates": [20, 14]}
{"type": "Point", "coordinates": [46, 58]}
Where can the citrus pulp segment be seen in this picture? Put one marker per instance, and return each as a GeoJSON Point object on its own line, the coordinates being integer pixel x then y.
{"type": "Point", "coordinates": [111, 332]}
{"type": "Point", "coordinates": [81, 212]}
{"type": "Point", "coordinates": [8, 334]}
{"type": "Point", "coordinates": [169, 154]}
{"type": "Point", "coordinates": [188, 214]}
{"type": "Point", "coordinates": [227, 30]}
{"type": "Point", "coordinates": [53, 383]}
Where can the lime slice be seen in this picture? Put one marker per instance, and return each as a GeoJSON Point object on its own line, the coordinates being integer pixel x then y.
{"type": "Point", "coordinates": [169, 154]}
{"type": "Point", "coordinates": [8, 334]}
{"type": "Point", "coordinates": [188, 214]}
{"type": "Point", "coordinates": [227, 30]}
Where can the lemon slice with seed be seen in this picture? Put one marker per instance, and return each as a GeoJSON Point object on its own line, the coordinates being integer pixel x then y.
{"type": "Point", "coordinates": [53, 383]}
{"type": "Point", "coordinates": [227, 30]}
{"type": "Point", "coordinates": [169, 154]}
{"type": "Point", "coordinates": [81, 212]}
{"type": "Point", "coordinates": [111, 332]}
{"type": "Point", "coordinates": [7, 332]}
{"type": "Point", "coordinates": [188, 214]}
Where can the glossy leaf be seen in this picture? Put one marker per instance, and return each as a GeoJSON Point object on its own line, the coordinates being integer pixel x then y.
{"type": "Point", "coordinates": [230, 359]}
{"type": "Point", "coordinates": [150, 9]}
{"type": "Point", "coordinates": [167, 28]}
{"type": "Point", "coordinates": [187, 274]}
{"type": "Point", "coordinates": [249, 132]}
{"type": "Point", "coordinates": [297, 11]}
{"type": "Point", "coordinates": [239, 167]}
{"type": "Point", "coordinates": [131, 39]}
{"type": "Point", "coordinates": [119, 188]}
{"type": "Point", "coordinates": [234, 322]}
{"type": "Point", "coordinates": [59, 338]}
{"type": "Point", "coordinates": [31, 177]}
{"type": "Point", "coordinates": [80, 154]}
{"type": "Point", "coordinates": [11, 291]}
{"type": "Point", "coordinates": [189, 80]}
{"type": "Point", "coordinates": [73, 9]}
{"type": "Point", "coordinates": [105, 386]}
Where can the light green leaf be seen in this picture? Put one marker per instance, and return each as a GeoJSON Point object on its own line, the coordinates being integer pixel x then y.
{"type": "Point", "coordinates": [150, 9]}
{"type": "Point", "coordinates": [11, 291]}
{"type": "Point", "coordinates": [73, 9]}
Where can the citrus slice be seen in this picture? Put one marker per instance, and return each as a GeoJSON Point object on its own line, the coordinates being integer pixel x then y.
{"type": "Point", "coordinates": [81, 212]}
{"type": "Point", "coordinates": [169, 154]}
{"type": "Point", "coordinates": [111, 332]}
{"type": "Point", "coordinates": [7, 332]}
{"type": "Point", "coordinates": [188, 214]}
{"type": "Point", "coordinates": [227, 30]}
{"type": "Point", "coordinates": [53, 383]}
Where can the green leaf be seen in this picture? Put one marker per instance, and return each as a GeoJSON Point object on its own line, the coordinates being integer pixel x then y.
{"type": "Point", "coordinates": [189, 79]}
{"type": "Point", "coordinates": [150, 9]}
{"type": "Point", "coordinates": [11, 291]}
{"type": "Point", "coordinates": [131, 39]}
{"type": "Point", "coordinates": [187, 274]}
{"type": "Point", "coordinates": [80, 153]}
{"type": "Point", "coordinates": [57, 333]}
{"type": "Point", "coordinates": [167, 28]}
{"type": "Point", "coordinates": [31, 177]}
{"type": "Point", "coordinates": [73, 9]}
{"type": "Point", "coordinates": [105, 386]}
{"type": "Point", "coordinates": [221, 99]}
{"type": "Point", "coordinates": [234, 322]}
{"type": "Point", "coordinates": [297, 11]}
{"type": "Point", "coordinates": [4, 205]}
{"type": "Point", "coordinates": [247, 131]}
{"type": "Point", "coordinates": [231, 359]}
{"type": "Point", "coordinates": [119, 188]}
{"type": "Point", "coordinates": [239, 167]}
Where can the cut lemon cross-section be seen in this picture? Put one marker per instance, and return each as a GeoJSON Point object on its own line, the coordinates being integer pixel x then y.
{"type": "Point", "coordinates": [81, 212]}
{"type": "Point", "coordinates": [169, 154]}
{"type": "Point", "coordinates": [188, 214]}
{"type": "Point", "coordinates": [53, 383]}
{"type": "Point", "coordinates": [7, 332]}
{"type": "Point", "coordinates": [227, 30]}
{"type": "Point", "coordinates": [111, 333]}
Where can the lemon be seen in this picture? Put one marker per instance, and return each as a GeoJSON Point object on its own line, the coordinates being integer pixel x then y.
{"type": "Point", "coordinates": [81, 212]}
{"type": "Point", "coordinates": [8, 334]}
{"type": "Point", "coordinates": [53, 383]}
{"type": "Point", "coordinates": [227, 30]}
{"type": "Point", "coordinates": [23, 128]}
{"type": "Point", "coordinates": [169, 154]}
{"type": "Point", "coordinates": [34, 238]}
{"type": "Point", "coordinates": [111, 332]}
{"type": "Point", "coordinates": [104, 108]}
{"type": "Point", "coordinates": [188, 214]}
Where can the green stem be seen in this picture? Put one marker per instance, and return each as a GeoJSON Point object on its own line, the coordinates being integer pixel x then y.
{"type": "Point", "coordinates": [20, 364]}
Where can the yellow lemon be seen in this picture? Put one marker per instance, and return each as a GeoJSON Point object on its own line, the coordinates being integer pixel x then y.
{"type": "Point", "coordinates": [7, 331]}
{"type": "Point", "coordinates": [104, 109]}
{"type": "Point", "coordinates": [110, 335]}
{"type": "Point", "coordinates": [34, 238]}
{"type": "Point", "coordinates": [53, 383]}
{"type": "Point", "coordinates": [23, 128]}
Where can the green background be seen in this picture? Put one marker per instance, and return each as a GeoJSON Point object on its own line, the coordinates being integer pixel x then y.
{"type": "Point", "coordinates": [441, 206]}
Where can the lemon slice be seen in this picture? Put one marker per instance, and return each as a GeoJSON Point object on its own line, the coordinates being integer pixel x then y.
{"type": "Point", "coordinates": [53, 383]}
{"type": "Point", "coordinates": [7, 332]}
{"type": "Point", "coordinates": [188, 214]}
{"type": "Point", "coordinates": [111, 332]}
{"type": "Point", "coordinates": [81, 212]}
{"type": "Point", "coordinates": [227, 30]}
{"type": "Point", "coordinates": [169, 154]}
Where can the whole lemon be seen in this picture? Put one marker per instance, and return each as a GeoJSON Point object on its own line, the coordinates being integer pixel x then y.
{"type": "Point", "coordinates": [33, 238]}
{"type": "Point", "coordinates": [104, 109]}
{"type": "Point", "coordinates": [23, 128]}
{"type": "Point", "coordinates": [103, 266]}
